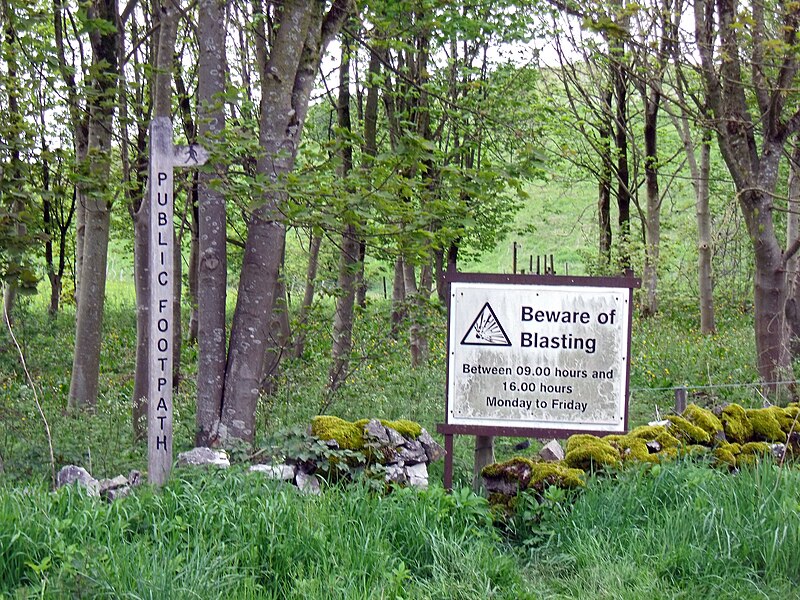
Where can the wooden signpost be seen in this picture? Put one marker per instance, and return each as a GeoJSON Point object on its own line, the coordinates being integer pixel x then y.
{"type": "Point", "coordinates": [164, 156]}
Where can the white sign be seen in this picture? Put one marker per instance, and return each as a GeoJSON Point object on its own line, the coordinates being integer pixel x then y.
{"type": "Point", "coordinates": [538, 356]}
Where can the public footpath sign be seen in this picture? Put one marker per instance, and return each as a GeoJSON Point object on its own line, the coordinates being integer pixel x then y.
{"type": "Point", "coordinates": [538, 355]}
{"type": "Point", "coordinates": [164, 156]}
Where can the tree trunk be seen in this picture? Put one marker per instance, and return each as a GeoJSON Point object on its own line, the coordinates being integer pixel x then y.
{"type": "Point", "coordinates": [604, 183]}
{"type": "Point", "coordinates": [277, 340]}
{"type": "Point", "coordinates": [361, 282]}
{"type": "Point", "coordinates": [13, 167]}
{"type": "Point", "coordinates": [141, 276]}
{"type": "Point", "coordinates": [704, 250]}
{"type": "Point", "coordinates": [399, 310]}
{"type": "Point", "coordinates": [653, 220]}
{"type": "Point", "coordinates": [370, 150]}
{"type": "Point", "coordinates": [700, 172]}
{"type": "Point", "coordinates": [793, 237]}
{"type": "Point", "coordinates": [623, 174]}
{"type": "Point", "coordinates": [177, 292]}
{"type": "Point", "coordinates": [439, 276]}
{"type": "Point", "coordinates": [416, 342]}
{"type": "Point", "coordinates": [291, 69]}
{"type": "Point", "coordinates": [348, 257]}
{"type": "Point", "coordinates": [194, 259]}
{"type": "Point", "coordinates": [343, 318]}
{"type": "Point", "coordinates": [308, 296]}
{"type": "Point", "coordinates": [79, 119]}
{"type": "Point", "coordinates": [212, 268]}
{"type": "Point", "coordinates": [97, 210]}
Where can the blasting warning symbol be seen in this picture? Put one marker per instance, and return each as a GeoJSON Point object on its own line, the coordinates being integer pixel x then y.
{"type": "Point", "coordinates": [486, 330]}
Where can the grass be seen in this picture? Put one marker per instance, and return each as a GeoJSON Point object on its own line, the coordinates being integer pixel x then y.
{"type": "Point", "coordinates": [677, 531]}
{"type": "Point", "coordinates": [674, 531]}
{"type": "Point", "coordinates": [241, 536]}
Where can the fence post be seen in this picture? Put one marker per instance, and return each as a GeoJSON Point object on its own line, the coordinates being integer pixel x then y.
{"type": "Point", "coordinates": [514, 258]}
{"type": "Point", "coordinates": [680, 400]}
{"type": "Point", "coordinates": [484, 455]}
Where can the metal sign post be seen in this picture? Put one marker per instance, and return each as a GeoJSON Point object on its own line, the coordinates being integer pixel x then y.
{"type": "Point", "coordinates": [164, 156]}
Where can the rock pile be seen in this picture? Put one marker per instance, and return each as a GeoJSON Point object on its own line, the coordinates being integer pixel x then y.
{"type": "Point", "coordinates": [729, 436]}
{"type": "Point", "coordinates": [401, 450]}
{"type": "Point", "coordinates": [107, 489]}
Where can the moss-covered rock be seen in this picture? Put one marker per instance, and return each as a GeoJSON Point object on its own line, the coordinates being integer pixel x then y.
{"type": "Point", "coordinates": [735, 423]}
{"type": "Point", "coordinates": [724, 457]}
{"type": "Point", "coordinates": [509, 477]}
{"type": "Point", "coordinates": [787, 417]}
{"type": "Point", "coordinates": [703, 418]}
{"type": "Point", "coordinates": [687, 431]}
{"type": "Point", "coordinates": [517, 468]}
{"type": "Point", "coordinates": [633, 449]}
{"type": "Point", "coordinates": [404, 427]}
{"type": "Point", "coordinates": [668, 441]}
{"type": "Point", "coordinates": [655, 433]}
{"type": "Point", "coordinates": [648, 432]}
{"type": "Point", "coordinates": [757, 448]}
{"type": "Point", "coordinates": [765, 424]}
{"type": "Point", "coordinates": [587, 451]}
{"type": "Point", "coordinates": [578, 439]}
{"type": "Point", "coordinates": [348, 435]}
{"type": "Point", "coordinates": [550, 473]}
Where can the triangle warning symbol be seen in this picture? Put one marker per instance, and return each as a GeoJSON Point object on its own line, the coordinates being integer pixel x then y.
{"type": "Point", "coordinates": [486, 330]}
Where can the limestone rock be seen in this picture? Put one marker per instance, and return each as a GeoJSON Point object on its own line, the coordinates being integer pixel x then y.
{"type": "Point", "coordinates": [417, 475]}
{"type": "Point", "coordinates": [412, 452]}
{"type": "Point", "coordinates": [376, 432]}
{"type": "Point", "coordinates": [112, 484]}
{"type": "Point", "coordinates": [552, 451]}
{"type": "Point", "coordinates": [653, 447]}
{"type": "Point", "coordinates": [308, 483]}
{"type": "Point", "coordinates": [74, 474]}
{"type": "Point", "coordinates": [778, 451]}
{"type": "Point", "coordinates": [433, 449]}
{"type": "Point", "coordinates": [282, 472]}
{"type": "Point", "coordinates": [203, 457]}
{"type": "Point", "coordinates": [135, 478]}
{"type": "Point", "coordinates": [116, 493]}
{"type": "Point", "coordinates": [395, 474]}
{"type": "Point", "coordinates": [395, 439]}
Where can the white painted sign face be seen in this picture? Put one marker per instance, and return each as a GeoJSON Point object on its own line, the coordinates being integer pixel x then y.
{"type": "Point", "coordinates": [538, 356]}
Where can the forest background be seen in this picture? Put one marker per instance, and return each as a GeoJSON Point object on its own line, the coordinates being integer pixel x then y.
{"type": "Point", "coordinates": [357, 153]}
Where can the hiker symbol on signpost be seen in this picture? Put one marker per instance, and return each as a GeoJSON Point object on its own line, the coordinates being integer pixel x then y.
{"type": "Point", "coordinates": [486, 330]}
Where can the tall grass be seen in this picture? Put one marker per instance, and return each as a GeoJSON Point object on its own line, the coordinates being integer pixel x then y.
{"type": "Point", "coordinates": [677, 531]}
{"type": "Point", "coordinates": [673, 531]}
{"type": "Point", "coordinates": [240, 536]}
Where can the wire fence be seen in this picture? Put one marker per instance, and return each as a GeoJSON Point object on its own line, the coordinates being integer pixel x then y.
{"type": "Point", "coordinates": [765, 392]}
